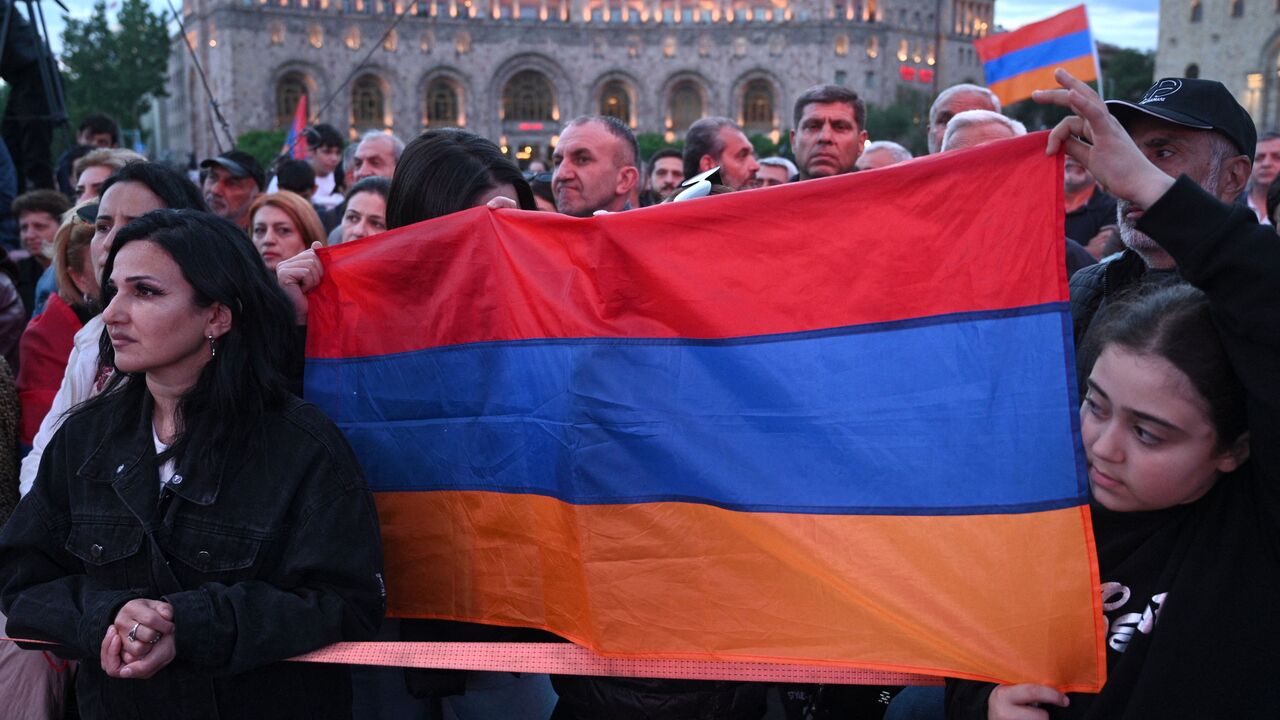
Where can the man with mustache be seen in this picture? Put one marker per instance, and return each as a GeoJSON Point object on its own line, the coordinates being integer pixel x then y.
{"type": "Point", "coordinates": [830, 130]}
{"type": "Point", "coordinates": [1184, 126]}
{"type": "Point", "coordinates": [719, 142]}
{"type": "Point", "coordinates": [666, 172]}
{"type": "Point", "coordinates": [232, 180]}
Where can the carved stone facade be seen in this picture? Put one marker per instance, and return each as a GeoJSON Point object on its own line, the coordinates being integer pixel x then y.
{"type": "Point", "coordinates": [515, 70]}
{"type": "Point", "coordinates": [1236, 42]}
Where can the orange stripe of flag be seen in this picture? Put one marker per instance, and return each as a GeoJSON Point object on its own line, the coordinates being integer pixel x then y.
{"type": "Point", "coordinates": [859, 591]}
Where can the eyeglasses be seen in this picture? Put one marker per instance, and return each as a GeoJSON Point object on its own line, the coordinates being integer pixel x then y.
{"type": "Point", "coordinates": [87, 213]}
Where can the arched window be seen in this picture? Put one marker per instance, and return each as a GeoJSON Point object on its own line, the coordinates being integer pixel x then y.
{"type": "Point", "coordinates": [757, 106]}
{"type": "Point", "coordinates": [1192, 71]}
{"type": "Point", "coordinates": [615, 101]}
{"type": "Point", "coordinates": [686, 105]}
{"type": "Point", "coordinates": [290, 88]}
{"type": "Point", "coordinates": [442, 104]}
{"type": "Point", "coordinates": [368, 104]}
{"type": "Point", "coordinates": [528, 96]}
{"type": "Point", "coordinates": [1197, 11]}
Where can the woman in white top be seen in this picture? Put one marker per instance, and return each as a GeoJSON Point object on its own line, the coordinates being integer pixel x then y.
{"type": "Point", "coordinates": [130, 192]}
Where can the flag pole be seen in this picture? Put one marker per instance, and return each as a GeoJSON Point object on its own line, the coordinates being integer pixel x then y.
{"type": "Point", "coordinates": [1097, 57]}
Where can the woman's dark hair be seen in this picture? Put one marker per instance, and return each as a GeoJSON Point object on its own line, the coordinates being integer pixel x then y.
{"type": "Point", "coordinates": [446, 171]}
{"type": "Point", "coordinates": [1174, 322]}
{"type": "Point", "coordinates": [374, 184]}
{"type": "Point", "coordinates": [172, 187]}
{"type": "Point", "coordinates": [542, 188]}
{"type": "Point", "coordinates": [246, 378]}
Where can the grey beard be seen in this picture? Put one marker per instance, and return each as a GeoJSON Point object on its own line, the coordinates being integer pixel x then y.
{"type": "Point", "coordinates": [1142, 244]}
{"type": "Point", "coordinates": [1129, 235]}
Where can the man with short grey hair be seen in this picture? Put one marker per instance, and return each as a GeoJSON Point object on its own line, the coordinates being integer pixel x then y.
{"type": "Point", "coordinates": [882, 153]}
{"type": "Point", "coordinates": [978, 127]}
{"type": "Point", "coordinates": [596, 166]}
{"type": "Point", "coordinates": [376, 155]}
{"type": "Point", "coordinates": [953, 101]}
{"type": "Point", "coordinates": [714, 141]}
{"type": "Point", "coordinates": [775, 170]}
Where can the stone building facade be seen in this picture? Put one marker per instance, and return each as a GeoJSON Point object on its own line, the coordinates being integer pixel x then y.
{"type": "Point", "coordinates": [1236, 42]}
{"type": "Point", "coordinates": [515, 70]}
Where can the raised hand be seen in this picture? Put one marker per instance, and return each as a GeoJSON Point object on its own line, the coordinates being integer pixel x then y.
{"type": "Point", "coordinates": [1095, 138]}
{"type": "Point", "coordinates": [1022, 702]}
{"type": "Point", "coordinates": [298, 276]}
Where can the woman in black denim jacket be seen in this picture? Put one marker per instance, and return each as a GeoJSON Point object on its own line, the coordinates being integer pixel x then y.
{"type": "Point", "coordinates": [195, 525]}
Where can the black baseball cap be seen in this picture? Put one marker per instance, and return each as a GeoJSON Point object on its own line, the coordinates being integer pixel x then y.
{"type": "Point", "coordinates": [240, 164]}
{"type": "Point", "coordinates": [1194, 103]}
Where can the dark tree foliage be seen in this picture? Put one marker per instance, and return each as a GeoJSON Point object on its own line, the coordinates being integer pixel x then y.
{"type": "Point", "coordinates": [263, 145]}
{"type": "Point", "coordinates": [651, 143]}
{"type": "Point", "coordinates": [903, 122]}
{"type": "Point", "coordinates": [1126, 73]}
{"type": "Point", "coordinates": [118, 69]}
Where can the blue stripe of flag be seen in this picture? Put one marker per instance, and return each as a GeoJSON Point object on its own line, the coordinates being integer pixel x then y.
{"type": "Point", "coordinates": [1050, 52]}
{"type": "Point", "coordinates": [963, 414]}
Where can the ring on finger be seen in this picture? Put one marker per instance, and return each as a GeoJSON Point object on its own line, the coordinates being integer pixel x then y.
{"type": "Point", "coordinates": [159, 636]}
{"type": "Point", "coordinates": [133, 634]}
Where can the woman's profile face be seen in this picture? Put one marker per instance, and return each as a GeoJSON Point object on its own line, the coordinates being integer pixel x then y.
{"type": "Point", "coordinates": [275, 236]}
{"type": "Point", "coordinates": [153, 321]}
{"type": "Point", "coordinates": [123, 203]}
{"type": "Point", "coordinates": [85, 279]}
{"type": "Point", "coordinates": [366, 215]}
{"type": "Point", "coordinates": [1147, 434]}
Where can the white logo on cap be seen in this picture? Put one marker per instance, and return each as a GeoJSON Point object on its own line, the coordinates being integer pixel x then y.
{"type": "Point", "coordinates": [1161, 90]}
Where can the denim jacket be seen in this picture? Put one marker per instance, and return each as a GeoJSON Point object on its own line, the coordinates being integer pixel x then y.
{"type": "Point", "coordinates": [273, 553]}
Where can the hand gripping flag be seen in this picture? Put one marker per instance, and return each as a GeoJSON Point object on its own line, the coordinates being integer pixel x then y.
{"type": "Point", "coordinates": [832, 422]}
{"type": "Point", "coordinates": [1018, 62]}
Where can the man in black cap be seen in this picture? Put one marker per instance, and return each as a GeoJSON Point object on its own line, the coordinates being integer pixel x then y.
{"type": "Point", "coordinates": [233, 180]}
{"type": "Point", "coordinates": [1186, 127]}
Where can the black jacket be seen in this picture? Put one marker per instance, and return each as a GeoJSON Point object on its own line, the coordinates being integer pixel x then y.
{"type": "Point", "coordinates": [1085, 221]}
{"type": "Point", "coordinates": [1195, 633]}
{"type": "Point", "coordinates": [272, 553]}
{"type": "Point", "coordinates": [1096, 285]}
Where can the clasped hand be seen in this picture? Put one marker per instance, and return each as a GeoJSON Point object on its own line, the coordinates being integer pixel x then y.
{"type": "Point", "coordinates": [140, 641]}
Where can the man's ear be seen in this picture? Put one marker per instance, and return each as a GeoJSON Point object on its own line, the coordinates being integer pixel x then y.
{"type": "Point", "coordinates": [219, 322]}
{"type": "Point", "coordinates": [1235, 456]}
{"type": "Point", "coordinates": [706, 162]}
{"type": "Point", "coordinates": [628, 176]}
{"type": "Point", "coordinates": [1234, 178]}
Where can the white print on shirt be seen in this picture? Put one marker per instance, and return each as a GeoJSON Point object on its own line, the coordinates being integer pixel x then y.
{"type": "Point", "coordinates": [1122, 628]}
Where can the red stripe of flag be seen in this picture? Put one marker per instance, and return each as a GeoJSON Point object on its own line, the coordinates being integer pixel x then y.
{"type": "Point", "coordinates": [552, 276]}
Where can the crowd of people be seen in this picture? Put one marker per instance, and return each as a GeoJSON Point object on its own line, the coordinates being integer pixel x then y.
{"type": "Point", "coordinates": [187, 523]}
